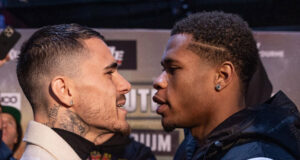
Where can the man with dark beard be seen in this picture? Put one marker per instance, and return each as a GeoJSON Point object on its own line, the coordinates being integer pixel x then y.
{"type": "Point", "coordinates": [71, 81]}
{"type": "Point", "coordinates": [208, 63]}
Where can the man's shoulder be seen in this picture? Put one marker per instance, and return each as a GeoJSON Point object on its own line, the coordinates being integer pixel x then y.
{"type": "Point", "coordinates": [34, 149]}
{"type": "Point", "coordinates": [34, 152]}
{"type": "Point", "coordinates": [40, 134]}
{"type": "Point", "coordinates": [139, 146]}
{"type": "Point", "coordinates": [144, 152]}
{"type": "Point", "coordinates": [5, 152]}
{"type": "Point", "coordinates": [42, 140]}
{"type": "Point", "coordinates": [257, 149]}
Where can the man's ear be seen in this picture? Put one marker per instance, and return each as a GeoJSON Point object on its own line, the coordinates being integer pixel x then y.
{"type": "Point", "coordinates": [224, 75]}
{"type": "Point", "coordinates": [61, 89]}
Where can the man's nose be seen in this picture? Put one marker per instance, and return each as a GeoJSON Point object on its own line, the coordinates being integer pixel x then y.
{"type": "Point", "coordinates": [123, 86]}
{"type": "Point", "coordinates": [161, 81]}
{"type": "Point", "coordinates": [4, 123]}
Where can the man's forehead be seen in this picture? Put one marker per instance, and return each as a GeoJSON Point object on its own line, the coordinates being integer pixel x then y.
{"type": "Point", "coordinates": [178, 40]}
{"type": "Point", "coordinates": [99, 51]}
{"type": "Point", "coordinates": [7, 116]}
{"type": "Point", "coordinates": [176, 50]}
{"type": "Point", "coordinates": [94, 43]}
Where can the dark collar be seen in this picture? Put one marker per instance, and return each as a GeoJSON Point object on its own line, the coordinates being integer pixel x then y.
{"type": "Point", "coordinates": [277, 120]}
{"type": "Point", "coordinates": [79, 144]}
{"type": "Point", "coordinates": [83, 147]}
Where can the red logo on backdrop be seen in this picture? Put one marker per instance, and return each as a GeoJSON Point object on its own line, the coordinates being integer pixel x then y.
{"type": "Point", "coordinates": [124, 51]}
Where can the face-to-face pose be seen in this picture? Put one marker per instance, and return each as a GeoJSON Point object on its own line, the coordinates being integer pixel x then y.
{"type": "Point", "coordinates": [207, 64]}
{"type": "Point", "coordinates": [71, 80]}
{"type": "Point", "coordinates": [184, 87]}
{"type": "Point", "coordinates": [99, 89]}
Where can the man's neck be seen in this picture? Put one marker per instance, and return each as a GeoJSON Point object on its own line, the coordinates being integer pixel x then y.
{"type": "Point", "coordinates": [63, 118]}
{"type": "Point", "coordinates": [223, 108]}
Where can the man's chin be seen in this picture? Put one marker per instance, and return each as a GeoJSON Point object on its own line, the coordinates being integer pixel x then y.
{"type": "Point", "coordinates": [126, 131]}
{"type": "Point", "coordinates": [123, 128]}
{"type": "Point", "coordinates": [168, 127]}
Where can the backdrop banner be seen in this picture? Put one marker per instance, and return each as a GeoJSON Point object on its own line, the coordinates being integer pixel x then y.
{"type": "Point", "coordinates": [138, 53]}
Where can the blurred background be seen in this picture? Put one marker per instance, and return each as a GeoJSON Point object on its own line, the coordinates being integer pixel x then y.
{"type": "Point", "coordinates": [139, 30]}
{"type": "Point", "coordinates": [282, 15]}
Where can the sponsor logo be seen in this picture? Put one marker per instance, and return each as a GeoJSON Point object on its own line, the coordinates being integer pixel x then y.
{"type": "Point", "coordinates": [160, 142]}
{"type": "Point", "coordinates": [11, 99]}
{"type": "Point", "coordinates": [117, 54]}
{"type": "Point", "coordinates": [270, 53]}
{"type": "Point", "coordinates": [124, 51]}
{"type": "Point", "coordinates": [142, 95]}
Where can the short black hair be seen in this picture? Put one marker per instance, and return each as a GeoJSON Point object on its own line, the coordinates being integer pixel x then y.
{"type": "Point", "coordinates": [225, 37]}
{"type": "Point", "coordinates": [50, 50]}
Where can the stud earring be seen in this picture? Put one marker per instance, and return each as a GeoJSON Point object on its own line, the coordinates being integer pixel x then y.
{"type": "Point", "coordinates": [71, 102]}
{"type": "Point", "coordinates": [218, 87]}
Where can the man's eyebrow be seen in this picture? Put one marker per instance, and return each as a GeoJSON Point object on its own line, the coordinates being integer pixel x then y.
{"type": "Point", "coordinates": [168, 61]}
{"type": "Point", "coordinates": [113, 65]}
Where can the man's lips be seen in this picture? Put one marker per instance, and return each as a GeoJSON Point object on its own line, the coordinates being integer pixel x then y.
{"type": "Point", "coordinates": [121, 100]}
{"type": "Point", "coordinates": [158, 100]}
{"type": "Point", "coordinates": [162, 104]}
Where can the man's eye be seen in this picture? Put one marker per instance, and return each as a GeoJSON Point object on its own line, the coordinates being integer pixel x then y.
{"type": "Point", "coordinates": [109, 72]}
{"type": "Point", "coordinates": [171, 70]}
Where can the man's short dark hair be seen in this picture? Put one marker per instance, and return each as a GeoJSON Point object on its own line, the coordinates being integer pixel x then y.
{"type": "Point", "coordinates": [220, 37]}
{"type": "Point", "coordinates": [48, 52]}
